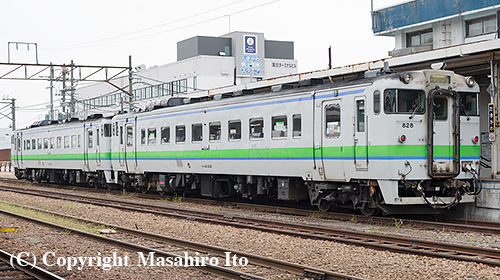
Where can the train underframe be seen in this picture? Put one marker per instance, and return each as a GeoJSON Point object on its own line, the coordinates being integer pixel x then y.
{"type": "Point", "coordinates": [362, 195]}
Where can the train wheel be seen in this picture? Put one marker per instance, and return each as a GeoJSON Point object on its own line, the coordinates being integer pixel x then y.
{"type": "Point", "coordinates": [367, 211]}
{"type": "Point", "coordinates": [324, 205]}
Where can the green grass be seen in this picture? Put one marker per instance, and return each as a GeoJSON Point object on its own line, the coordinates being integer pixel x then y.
{"type": "Point", "coordinates": [62, 221]}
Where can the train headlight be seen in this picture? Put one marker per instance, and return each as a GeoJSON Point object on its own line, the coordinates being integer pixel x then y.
{"type": "Point", "coordinates": [402, 138]}
{"type": "Point", "coordinates": [470, 81]}
{"type": "Point", "coordinates": [406, 78]}
{"type": "Point", "coordinates": [475, 139]}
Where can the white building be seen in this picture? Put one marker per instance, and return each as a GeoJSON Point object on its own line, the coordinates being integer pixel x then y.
{"type": "Point", "coordinates": [203, 63]}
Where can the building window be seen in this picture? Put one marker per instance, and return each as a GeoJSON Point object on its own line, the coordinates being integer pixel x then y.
{"type": "Point", "coordinates": [481, 26]}
{"type": "Point", "coordinates": [419, 38]}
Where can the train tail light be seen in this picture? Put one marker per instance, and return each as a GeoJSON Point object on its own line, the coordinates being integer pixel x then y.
{"type": "Point", "coordinates": [402, 138]}
{"type": "Point", "coordinates": [475, 139]}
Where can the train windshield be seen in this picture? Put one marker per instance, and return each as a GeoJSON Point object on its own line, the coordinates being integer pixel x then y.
{"type": "Point", "coordinates": [404, 101]}
{"type": "Point", "coordinates": [469, 104]}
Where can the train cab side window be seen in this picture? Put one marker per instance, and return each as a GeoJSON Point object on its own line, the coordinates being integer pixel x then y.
{"type": "Point", "coordinates": [130, 136]}
{"type": "Point", "coordinates": [279, 127]}
{"type": "Point", "coordinates": [256, 128]}
{"type": "Point", "coordinates": [180, 134]}
{"type": "Point", "coordinates": [197, 132]}
{"type": "Point", "coordinates": [234, 130]}
{"type": "Point", "coordinates": [165, 135]}
{"type": "Point", "coordinates": [376, 102]}
{"type": "Point", "coordinates": [143, 136]}
{"type": "Point", "coordinates": [297, 126]}
{"type": "Point", "coordinates": [52, 143]}
{"type": "Point", "coordinates": [59, 142]}
{"type": "Point", "coordinates": [66, 141]}
{"type": "Point", "coordinates": [215, 131]}
{"type": "Point", "coordinates": [151, 136]}
{"type": "Point", "coordinates": [404, 101]}
{"type": "Point", "coordinates": [91, 138]}
{"type": "Point", "coordinates": [332, 117]}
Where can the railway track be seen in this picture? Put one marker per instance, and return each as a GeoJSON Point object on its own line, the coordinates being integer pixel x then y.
{"type": "Point", "coordinates": [372, 240]}
{"type": "Point", "coordinates": [157, 241]}
{"type": "Point", "coordinates": [13, 268]}
{"type": "Point", "coordinates": [457, 225]}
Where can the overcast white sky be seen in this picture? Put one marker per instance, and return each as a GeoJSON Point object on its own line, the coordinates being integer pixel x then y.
{"type": "Point", "coordinates": [106, 32]}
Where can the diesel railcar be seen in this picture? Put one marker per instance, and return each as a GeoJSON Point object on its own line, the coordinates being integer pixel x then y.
{"type": "Point", "coordinates": [397, 142]}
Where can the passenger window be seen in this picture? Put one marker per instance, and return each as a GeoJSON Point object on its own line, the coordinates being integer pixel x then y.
{"type": "Point", "coordinates": [66, 141]}
{"type": "Point", "coordinates": [33, 144]}
{"type": "Point", "coordinates": [279, 127]}
{"type": "Point", "coordinates": [79, 140]}
{"type": "Point", "coordinates": [297, 125]}
{"type": "Point", "coordinates": [214, 131]}
{"type": "Point", "coordinates": [59, 142]}
{"type": "Point", "coordinates": [130, 136]}
{"type": "Point", "coordinates": [73, 141]}
{"type": "Point", "coordinates": [197, 132]}
{"type": "Point", "coordinates": [28, 142]}
{"type": "Point", "coordinates": [143, 136]}
{"type": "Point", "coordinates": [39, 142]}
{"type": "Point", "coordinates": [360, 117]}
{"type": "Point", "coordinates": [91, 138]}
{"type": "Point", "coordinates": [52, 142]}
{"type": "Point", "coordinates": [151, 136]}
{"type": "Point", "coordinates": [376, 102]}
{"type": "Point", "coordinates": [180, 134]}
{"type": "Point", "coordinates": [332, 117]}
{"type": "Point", "coordinates": [165, 135]}
{"type": "Point", "coordinates": [257, 128]}
{"type": "Point", "coordinates": [45, 143]}
{"type": "Point", "coordinates": [234, 129]}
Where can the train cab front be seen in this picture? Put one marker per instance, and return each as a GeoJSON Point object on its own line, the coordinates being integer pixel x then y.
{"type": "Point", "coordinates": [452, 149]}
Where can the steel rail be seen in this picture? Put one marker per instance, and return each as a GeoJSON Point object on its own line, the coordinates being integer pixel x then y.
{"type": "Point", "coordinates": [28, 268]}
{"type": "Point", "coordinates": [376, 241]}
{"type": "Point", "coordinates": [217, 270]}
{"type": "Point", "coordinates": [295, 268]}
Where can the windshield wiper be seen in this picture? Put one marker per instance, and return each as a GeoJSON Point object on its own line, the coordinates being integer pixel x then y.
{"type": "Point", "coordinates": [414, 112]}
{"type": "Point", "coordinates": [465, 111]}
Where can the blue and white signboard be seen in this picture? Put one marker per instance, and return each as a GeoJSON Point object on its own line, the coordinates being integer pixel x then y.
{"type": "Point", "coordinates": [250, 44]}
{"type": "Point", "coordinates": [250, 63]}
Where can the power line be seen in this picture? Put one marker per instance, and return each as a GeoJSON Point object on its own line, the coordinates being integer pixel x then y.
{"type": "Point", "coordinates": [170, 30]}
{"type": "Point", "coordinates": [149, 28]}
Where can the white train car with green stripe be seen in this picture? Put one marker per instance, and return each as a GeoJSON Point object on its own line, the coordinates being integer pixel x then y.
{"type": "Point", "coordinates": [397, 142]}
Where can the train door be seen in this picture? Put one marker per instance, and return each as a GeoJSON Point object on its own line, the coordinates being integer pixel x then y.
{"type": "Point", "coordinates": [360, 134]}
{"type": "Point", "coordinates": [88, 145]}
{"type": "Point", "coordinates": [18, 140]}
{"type": "Point", "coordinates": [443, 134]}
{"type": "Point", "coordinates": [130, 148]}
{"type": "Point", "coordinates": [97, 147]}
{"type": "Point", "coordinates": [121, 151]}
{"type": "Point", "coordinates": [327, 143]}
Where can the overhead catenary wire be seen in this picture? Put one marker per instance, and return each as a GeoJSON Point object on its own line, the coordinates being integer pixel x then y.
{"type": "Point", "coordinates": [166, 31]}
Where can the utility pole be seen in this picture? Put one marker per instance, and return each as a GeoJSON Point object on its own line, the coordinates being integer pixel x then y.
{"type": "Point", "coordinates": [63, 98]}
{"type": "Point", "coordinates": [51, 111]}
{"type": "Point", "coordinates": [13, 114]}
{"type": "Point", "coordinates": [72, 94]}
{"type": "Point", "coordinates": [130, 94]}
